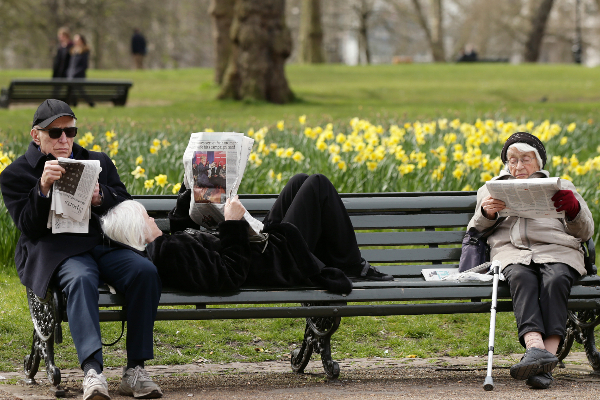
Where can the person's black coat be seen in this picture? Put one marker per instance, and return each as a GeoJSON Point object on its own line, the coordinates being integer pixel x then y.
{"type": "Point", "coordinates": [201, 262]}
{"type": "Point", "coordinates": [38, 251]}
{"type": "Point", "coordinates": [78, 65]}
{"type": "Point", "coordinates": [60, 63]}
{"type": "Point", "coordinates": [138, 44]}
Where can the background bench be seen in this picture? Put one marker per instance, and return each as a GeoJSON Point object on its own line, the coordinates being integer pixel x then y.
{"type": "Point", "coordinates": [414, 231]}
{"type": "Point", "coordinates": [71, 91]}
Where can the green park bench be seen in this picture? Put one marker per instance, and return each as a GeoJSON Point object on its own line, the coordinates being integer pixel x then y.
{"type": "Point", "coordinates": [71, 91]}
{"type": "Point", "coordinates": [401, 232]}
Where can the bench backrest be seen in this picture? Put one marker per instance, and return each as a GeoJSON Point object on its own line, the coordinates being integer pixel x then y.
{"type": "Point", "coordinates": [68, 90]}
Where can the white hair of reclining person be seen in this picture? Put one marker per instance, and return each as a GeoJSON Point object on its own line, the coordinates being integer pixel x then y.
{"type": "Point", "coordinates": [126, 223]}
{"type": "Point", "coordinates": [524, 148]}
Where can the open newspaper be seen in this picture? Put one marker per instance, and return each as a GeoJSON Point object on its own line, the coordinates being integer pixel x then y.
{"type": "Point", "coordinates": [214, 164]}
{"type": "Point", "coordinates": [70, 209]}
{"type": "Point", "coordinates": [529, 198]}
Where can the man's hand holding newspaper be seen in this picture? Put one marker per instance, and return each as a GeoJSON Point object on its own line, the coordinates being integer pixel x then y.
{"type": "Point", "coordinates": [214, 164]}
{"type": "Point", "coordinates": [70, 208]}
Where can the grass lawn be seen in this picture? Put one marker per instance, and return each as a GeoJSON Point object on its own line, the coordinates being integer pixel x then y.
{"type": "Point", "coordinates": [172, 103]}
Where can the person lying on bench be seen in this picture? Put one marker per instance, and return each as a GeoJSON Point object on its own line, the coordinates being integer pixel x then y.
{"type": "Point", "coordinates": [541, 258]}
{"type": "Point", "coordinates": [309, 241]}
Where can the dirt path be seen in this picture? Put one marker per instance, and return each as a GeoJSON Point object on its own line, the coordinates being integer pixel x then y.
{"type": "Point", "coordinates": [440, 378]}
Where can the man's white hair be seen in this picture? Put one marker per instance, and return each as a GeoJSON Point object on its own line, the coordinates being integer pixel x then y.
{"type": "Point", "coordinates": [126, 223]}
{"type": "Point", "coordinates": [524, 148]}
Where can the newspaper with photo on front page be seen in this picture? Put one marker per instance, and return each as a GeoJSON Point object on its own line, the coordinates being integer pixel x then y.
{"type": "Point", "coordinates": [214, 164]}
{"type": "Point", "coordinates": [70, 207]}
{"type": "Point", "coordinates": [528, 198]}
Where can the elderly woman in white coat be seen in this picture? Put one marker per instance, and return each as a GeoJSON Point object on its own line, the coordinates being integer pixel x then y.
{"type": "Point", "coordinates": [540, 257]}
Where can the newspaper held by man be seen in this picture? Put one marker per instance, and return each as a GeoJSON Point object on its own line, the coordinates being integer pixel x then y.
{"type": "Point", "coordinates": [528, 198]}
{"type": "Point", "coordinates": [214, 164]}
{"type": "Point", "coordinates": [70, 208]}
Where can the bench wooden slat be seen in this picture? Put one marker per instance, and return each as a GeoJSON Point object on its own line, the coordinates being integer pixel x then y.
{"type": "Point", "coordinates": [409, 238]}
{"type": "Point", "coordinates": [411, 221]}
{"type": "Point", "coordinates": [411, 255]}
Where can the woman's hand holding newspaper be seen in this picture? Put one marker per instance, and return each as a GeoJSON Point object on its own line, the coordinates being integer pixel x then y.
{"type": "Point", "coordinates": [234, 210]}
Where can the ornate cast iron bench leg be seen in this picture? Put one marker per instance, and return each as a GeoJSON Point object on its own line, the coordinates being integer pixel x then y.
{"type": "Point", "coordinates": [317, 338]}
{"type": "Point", "coordinates": [580, 327]}
{"type": "Point", "coordinates": [46, 318]}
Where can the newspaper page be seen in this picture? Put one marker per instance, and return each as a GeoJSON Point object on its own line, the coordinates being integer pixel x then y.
{"type": "Point", "coordinates": [214, 164]}
{"type": "Point", "coordinates": [437, 274]}
{"type": "Point", "coordinates": [70, 208]}
{"type": "Point", "coordinates": [528, 198]}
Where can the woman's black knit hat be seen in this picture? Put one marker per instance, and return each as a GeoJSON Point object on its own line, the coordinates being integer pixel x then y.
{"type": "Point", "coordinates": [528, 138]}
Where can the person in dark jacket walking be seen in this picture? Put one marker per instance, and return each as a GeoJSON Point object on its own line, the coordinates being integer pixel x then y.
{"type": "Point", "coordinates": [78, 65]}
{"type": "Point", "coordinates": [77, 262]}
{"type": "Point", "coordinates": [138, 48]}
{"type": "Point", "coordinates": [308, 240]}
{"type": "Point", "coordinates": [60, 63]}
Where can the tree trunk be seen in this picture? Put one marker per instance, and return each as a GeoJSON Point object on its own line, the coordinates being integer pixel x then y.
{"type": "Point", "coordinates": [434, 35]}
{"type": "Point", "coordinates": [311, 33]}
{"type": "Point", "coordinates": [261, 42]}
{"type": "Point", "coordinates": [437, 37]}
{"type": "Point", "coordinates": [363, 12]}
{"type": "Point", "coordinates": [222, 16]}
{"type": "Point", "coordinates": [538, 27]}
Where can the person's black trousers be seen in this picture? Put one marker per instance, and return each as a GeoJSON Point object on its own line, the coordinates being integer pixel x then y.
{"type": "Point", "coordinates": [540, 293]}
{"type": "Point", "coordinates": [313, 205]}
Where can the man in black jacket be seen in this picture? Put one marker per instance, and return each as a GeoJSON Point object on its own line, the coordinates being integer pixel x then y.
{"type": "Point", "coordinates": [63, 54]}
{"type": "Point", "coordinates": [77, 262]}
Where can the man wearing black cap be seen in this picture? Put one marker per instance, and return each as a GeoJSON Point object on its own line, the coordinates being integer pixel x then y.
{"type": "Point", "coordinates": [77, 262]}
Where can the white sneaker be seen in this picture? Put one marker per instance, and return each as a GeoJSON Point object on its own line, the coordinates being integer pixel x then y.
{"type": "Point", "coordinates": [95, 386]}
{"type": "Point", "coordinates": [137, 383]}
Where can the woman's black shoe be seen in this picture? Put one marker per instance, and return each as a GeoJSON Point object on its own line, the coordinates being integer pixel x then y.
{"type": "Point", "coordinates": [533, 362]}
{"type": "Point", "coordinates": [540, 381]}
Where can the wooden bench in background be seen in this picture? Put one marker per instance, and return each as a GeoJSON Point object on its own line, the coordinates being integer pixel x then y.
{"type": "Point", "coordinates": [71, 91]}
{"type": "Point", "coordinates": [401, 232]}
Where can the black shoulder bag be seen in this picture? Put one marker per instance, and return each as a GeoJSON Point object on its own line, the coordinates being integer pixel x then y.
{"type": "Point", "coordinates": [475, 250]}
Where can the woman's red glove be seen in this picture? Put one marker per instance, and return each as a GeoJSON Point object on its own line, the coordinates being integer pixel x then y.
{"type": "Point", "coordinates": [565, 200]}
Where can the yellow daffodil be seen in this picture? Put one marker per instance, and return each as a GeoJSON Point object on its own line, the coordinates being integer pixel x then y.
{"type": "Point", "coordinates": [89, 137]}
{"type": "Point", "coordinates": [271, 174]}
{"type": "Point", "coordinates": [567, 177]}
{"type": "Point", "coordinates": [372, 165]}
{"type": "Point", "coordinates": [139, 160]}
{"type": "Point", "coordinates": [279, 152]}
{"type": "Point", "coordinates": [113, 148]}
{"type": "Point", "coordinates": [280, 125]}
{"type": "Point", "coordinates": [297, 156]}
{"type": "Point", "coordinates": [340, 138]}
{"type": "Point", "coordinates": [176, 188]}
{"type": "Point", "coordinates": [273, 146]}
{"type": "Point", "coordinates": [571, 127]}
{"type": "Point", "coordinates": [342, 166]}
{"type": "Point", "coordinates": [138, 172]}
{"type": "Point", "coordinates": [149, 184]}
{"type": "Point", "coordinates": [288, 152]}
{"type": "Point", "coordinates": [563, 140]}
{"type": "Point", "coordinates": [485, 176]}
{"type": "Point", "coordinates": [161, 180]}
{"type": "Point", "coordinates": [82, 142]}
{"type": "Point", "coordinates": [278, 177]}
{"type": "Point", "coordinates": [156, 143]}
{"type": "Point", "coordinates": [556, 161]}
{"type": "Point", "coordinates": [96, 148]}
{"type": "Point", "coordinates": [254, 158]}
{"type": "Point", "coordinates": [250, 132]}
{"type": "Point", "coordinates": [209, 130]}
{"type": "Point", "coordinates": [406, 168]}
{"type": "Point", "coordinates": [165, 143]}
{"type": "Point", "coordinates": [467, 188]}
{"type": "Point", "coordinates": [335, 158]}
{"type": "Point", "coordinates": [302, 119]}
{"type": "Point", "coordinates": [110, 136]}
{"type": "Point", "coordinates": [153, 150]}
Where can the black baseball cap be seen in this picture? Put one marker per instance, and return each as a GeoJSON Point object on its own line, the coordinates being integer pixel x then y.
{"type": "Point", "coordinates": [50, 110]}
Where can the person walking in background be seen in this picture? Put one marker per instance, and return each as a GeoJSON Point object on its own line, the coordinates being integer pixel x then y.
{"type": "Point", "coordinates": [60, 63]}
{"type": "Point", "coordinates": [138, 49]}
{"type": "Point", "coordinates": [78, 65]}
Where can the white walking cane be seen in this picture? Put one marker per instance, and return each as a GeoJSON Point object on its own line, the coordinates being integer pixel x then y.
{"type": "Point", "coordinates": [489, 382]}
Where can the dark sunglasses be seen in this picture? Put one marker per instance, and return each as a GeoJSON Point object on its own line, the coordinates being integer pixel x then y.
{"type": "Point", "coordinates": [56, 133]}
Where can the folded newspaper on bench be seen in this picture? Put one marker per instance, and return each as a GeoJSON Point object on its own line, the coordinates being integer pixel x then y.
{"type": "Point", "coordinates": [529, 198]}
{"type": "Point", "coordinates": [70, 209]}
{"type": "Point", "coordinates": [214, 164]}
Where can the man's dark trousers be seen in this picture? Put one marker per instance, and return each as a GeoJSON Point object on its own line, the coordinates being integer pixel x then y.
{"type": "Point", "coordinates": [129, 273]}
